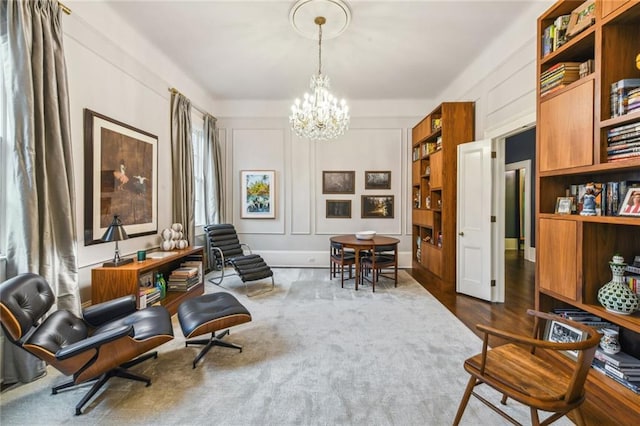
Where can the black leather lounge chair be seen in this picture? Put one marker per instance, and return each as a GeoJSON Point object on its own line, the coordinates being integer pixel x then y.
{"type": "Point", "coordinates": [225, 250]}
{"type": "Point", "coordinates": [102, 344]}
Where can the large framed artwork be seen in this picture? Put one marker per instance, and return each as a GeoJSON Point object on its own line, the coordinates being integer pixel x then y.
{"type": "Point", "coordinates": [121, 177]}
{"type": "Point", "coordinates": [338, 182]}
{"type": "Point", "coordinates": [377, 206]}
{"type": "Point", "coordinates": [258, 194]}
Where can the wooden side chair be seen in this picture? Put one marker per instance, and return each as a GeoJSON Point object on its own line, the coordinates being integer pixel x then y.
{"type": "Point", "coordinates": [339, 258]}
{"type": "Point", "coordinates": [517, 370]}
{"type": "Point", "coordinates": [379, 260]}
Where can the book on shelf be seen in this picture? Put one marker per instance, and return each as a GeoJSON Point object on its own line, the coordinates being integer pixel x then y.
{"type": "Point", "coordinates": [630, 382]}
{"type": "Point", "coordinates": [624, 156]}
{"type": "Point", "coordinates": [561, 23]}
{"type": "Point", "coordinates": [619, 95]}
{"type": "Point", "coordinates": [587, 67]}
{"type": "Point", "coordinates": [620, 360]}
{"type": "Point", "coordinates": [547, 39]}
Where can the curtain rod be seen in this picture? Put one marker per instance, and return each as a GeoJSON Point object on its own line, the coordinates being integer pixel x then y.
{"type": "Point", "coordinates": [202, 111]}
{"type": "Point", "coordinates": [64, 8]}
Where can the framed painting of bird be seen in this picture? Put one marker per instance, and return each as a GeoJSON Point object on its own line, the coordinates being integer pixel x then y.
{"type": "Point", "coordinates": [120, 177]}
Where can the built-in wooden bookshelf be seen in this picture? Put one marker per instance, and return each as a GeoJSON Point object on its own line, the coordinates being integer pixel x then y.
{"type": "Point", "coordinates": [110, 283]}
{"type": "Point", "coordinates": [434, 171]}
{"type": "Point", "coordinates": [573, 251]}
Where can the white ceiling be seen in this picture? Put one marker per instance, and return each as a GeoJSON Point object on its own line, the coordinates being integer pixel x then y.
{"type": "Point", "coordinates": [391, 50]}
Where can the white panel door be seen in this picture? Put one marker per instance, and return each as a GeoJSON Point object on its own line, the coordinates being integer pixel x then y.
{"type": "Point", "coordinates": [473, 270]}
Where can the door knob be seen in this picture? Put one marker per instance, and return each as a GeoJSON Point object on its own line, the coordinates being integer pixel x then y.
{"type": "Point", "coordinates": [461, 234]}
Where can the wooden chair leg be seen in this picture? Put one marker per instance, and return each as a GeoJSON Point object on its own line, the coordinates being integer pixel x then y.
{"type": "Point", "coordinates": [503, 401]}
{"type": "Point", "coordinates": [465, 400]}
{"type": "Point", "coordinates": [535, 420]}
{"type": "Point", "coordinates": [579, 417]}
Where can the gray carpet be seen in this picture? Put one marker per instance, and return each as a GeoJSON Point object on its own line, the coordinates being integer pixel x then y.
{"type": "Point", "coordinates": [314, 354]}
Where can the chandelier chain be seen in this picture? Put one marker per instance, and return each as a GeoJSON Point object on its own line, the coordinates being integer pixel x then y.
{"type": "Point", "coordinates": [320, 49]}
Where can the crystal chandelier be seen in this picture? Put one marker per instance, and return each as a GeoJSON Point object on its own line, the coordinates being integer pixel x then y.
{"type": "Point", "coordinates": [319, 116]}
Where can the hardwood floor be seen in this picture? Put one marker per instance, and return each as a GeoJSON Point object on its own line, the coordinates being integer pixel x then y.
{"type": "Point", "coordinates": [511, 315]}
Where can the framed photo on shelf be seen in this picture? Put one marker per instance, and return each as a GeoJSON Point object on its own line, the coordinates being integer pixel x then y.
{"type": "Point", "coordinates": [121, 177]}
{"type": "Point", "coordinates": [563, 205]}
{"type": "Point", "coordinates": [631, 204]}
{"type": "Point", "coordinates": [377, 206]}
{"type": "Point", "coordinates": [582, 17]}
{"type": "Point", "coordinates": [338, 209]}
{"type": "Point", "coordinates": [559, 332]}
{"type": "Point", "coordinates": [377, 180]}
{"type": "Point", "coordinates": [258, 198]}
{"type": "Point", "coordinates": [338, 182]}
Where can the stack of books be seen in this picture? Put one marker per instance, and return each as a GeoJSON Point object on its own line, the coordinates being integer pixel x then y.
{"type": "Point", "coordinates": [621, 367]}
{"type": "Point", "coordinates": [623, 142]}
{"type": "Point", "coordinates": [148, 296]}
{"type": "Point", "coordinates": [633, 100]}
{"type": "Point", "coordinates": [584, 317]}
{"type": "Point", "coordinates": [587, 67]}
{"type": "Point", "coordinates": [620, 91]}
{"type": "Point", "coordinates": [558, 76]}
{"type": "Point", "coordinates": [184, 277]}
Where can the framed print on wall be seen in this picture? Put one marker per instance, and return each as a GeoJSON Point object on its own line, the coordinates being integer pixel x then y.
{"type": "Point", "coordinates": [377, 180]}
{"type": "Point", "coordinates": [377, 206]}
{"type": "Point", "coordinates": [338, 209]}
{"type": "Point", "coordinates": [121, 177]}
{"type": "Point", "coordinates": [338, 182]}
{"type": "Point", "coordinates": [258, 194]}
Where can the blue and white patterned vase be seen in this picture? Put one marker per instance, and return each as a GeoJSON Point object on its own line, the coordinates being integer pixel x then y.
{"type": "Point", "coordinates": [616, 296]}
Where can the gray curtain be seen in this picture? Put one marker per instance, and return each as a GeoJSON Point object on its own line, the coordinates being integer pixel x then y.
{"type": "Point", "coordinates": [40, 198]}
{"type": "Point", "coordinates": [214, 207]}
{"type": "Point", "coordinates": [182, 165]}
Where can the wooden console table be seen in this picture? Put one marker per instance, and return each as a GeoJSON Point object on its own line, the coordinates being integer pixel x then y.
{"type": "Point", "coordinates": [110, 283]}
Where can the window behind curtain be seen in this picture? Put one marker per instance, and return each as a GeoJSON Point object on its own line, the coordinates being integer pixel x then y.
{"type": "Point", "coordinates": [197, 139]}
{"type": "Point", "coordinates": [4, 166]}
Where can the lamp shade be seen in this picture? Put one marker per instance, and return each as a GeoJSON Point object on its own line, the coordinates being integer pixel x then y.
{"type": "Point", "coordinates": [115, 231]}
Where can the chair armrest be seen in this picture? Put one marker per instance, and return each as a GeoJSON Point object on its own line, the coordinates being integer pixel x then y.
{"type": "Point", "coordinates": [94, 342]}
{"type": "Point", "coordinates": [98, 314]}
{"type": "Point", "coordinates": [247, 246]}
{"type": "Point", "coordinates": [592, 339]}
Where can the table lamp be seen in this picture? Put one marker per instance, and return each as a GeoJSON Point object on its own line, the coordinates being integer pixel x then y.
{"type": "Point", "coordinates": [115, 232]}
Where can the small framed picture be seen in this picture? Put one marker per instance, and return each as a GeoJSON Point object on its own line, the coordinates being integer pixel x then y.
{"type": "Point", "coordinates": [631, 204]}
{"type": "Point", "coordinates": [563, 205]}
{"type": "Point", "coordinates": [377, 180]}
{"type": "Point", "coordinates": [338, 182]}
{"type": "Point", "coordinates": [338, 209]}
{"type": "Point", "coordinates": [377, 206]}
{"type": "Point", "coordinates": [557, 331]}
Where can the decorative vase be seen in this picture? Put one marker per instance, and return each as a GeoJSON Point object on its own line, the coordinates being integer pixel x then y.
{"type": "Point", "coordinates": [616, 296]}
{"type": "Point", "coordinates": [609, 341]}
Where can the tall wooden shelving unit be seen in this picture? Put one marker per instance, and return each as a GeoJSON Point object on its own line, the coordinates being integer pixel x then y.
{"type": "Point", "coordinates": [573, 251]}
{"type": "Point", "coordinates": [434, 174]}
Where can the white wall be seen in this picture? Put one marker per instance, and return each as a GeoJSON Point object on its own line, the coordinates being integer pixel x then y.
{"type": "Point", "coordinates": [118, 76]}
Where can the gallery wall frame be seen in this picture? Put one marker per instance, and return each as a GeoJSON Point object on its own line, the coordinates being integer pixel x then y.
{"type": "Point", "coordinates": [339, 182]}
{"type": "Point", "coordinates": [121, 177]}
{"type": "Point", "coordinates": [377, 206]}
{"type": "Point", "coordinates": [258, 197]}
{"type": "Point", "coordinates": [338, 209]}
{"type": "Point", "coordinates": [377, 179]}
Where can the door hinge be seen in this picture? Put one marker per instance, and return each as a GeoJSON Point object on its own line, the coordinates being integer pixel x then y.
{"type": "Point", "coordinates": [493, 154]}
{"type": "Point", "coordinates": [493, 283]}
{"type": "Point", "coordinates": [493, 219]}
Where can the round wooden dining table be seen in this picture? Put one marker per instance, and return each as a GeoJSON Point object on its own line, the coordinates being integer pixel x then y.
{"type": "Point", "coordinates": [350, 241]}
